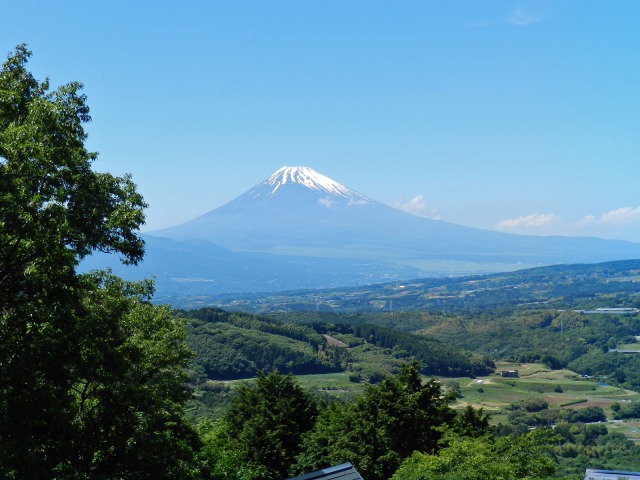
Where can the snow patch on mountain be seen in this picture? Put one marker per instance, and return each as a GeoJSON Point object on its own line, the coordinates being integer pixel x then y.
{"type": "Point", "coordinates": [308, 178]}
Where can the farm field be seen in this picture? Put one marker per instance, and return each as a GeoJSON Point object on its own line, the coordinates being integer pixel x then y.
{"type": "Point", "coordinates": [336, 385]}
{"type": "Point", "coordinates": [629, 346]}
{"type": "Point", "coordinates": [494, 393]}
{"type": "Point", "coordinates": [559, 388]}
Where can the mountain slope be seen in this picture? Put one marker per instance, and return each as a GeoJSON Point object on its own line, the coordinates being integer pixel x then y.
{"type": "Point", "coordinates": [198, 267]}
{"type": "Point", "coordinates": [298, 211]}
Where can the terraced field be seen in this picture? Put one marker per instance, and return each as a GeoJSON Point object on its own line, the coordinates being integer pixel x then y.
{"type": "Point", "coordinates": [560, 388]}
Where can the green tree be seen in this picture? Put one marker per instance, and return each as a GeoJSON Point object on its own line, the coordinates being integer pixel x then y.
{"type": "Point", "coordinates": [473, 423]}
{"type": "Point", "coordinates": [129, 393]}
{"type": "Point", "coordinates": [382, 427]}
{"type": "Point", "coordinates": [267, 419]}
{"type": "Point", "coordinates": [91, 372]}
{"type": "Point", "coordinates": [482, 458]}
{"type": "Point", "coordinates": [224, 459]}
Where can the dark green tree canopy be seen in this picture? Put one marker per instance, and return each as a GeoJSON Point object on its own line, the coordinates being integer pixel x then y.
{"type": "Point", "coordinates": [483, 458]}
{"type": "Point", "coordinates": [267, 420]}
{"type": "Point", "coordinates": [91, 373]}
{"type": "Point", "coordinates": [51, 199]}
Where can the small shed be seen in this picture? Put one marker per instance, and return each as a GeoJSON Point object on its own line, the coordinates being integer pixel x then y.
{"type": "Point", "coordinates": [509, 373]}
{"type": "Point", "coordinates": [345, 471]}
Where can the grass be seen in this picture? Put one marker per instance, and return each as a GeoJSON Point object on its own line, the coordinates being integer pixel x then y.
{"type": "Point", "coordinates": [326, 381]}
{"type": "Point", "coordinates": [629, 428]}
{"type": "Point", "coordinates": [558, 387]}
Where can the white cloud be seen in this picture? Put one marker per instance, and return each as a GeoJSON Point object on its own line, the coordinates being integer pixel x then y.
{"type": "Point", "coordinates": [327, 202]}
{"type": "Point", "coordinates": [535, 220]}
{"type": "Point", "coordinates": [417, 206]}
{"type": "Point", "coordinates": [520, 17]}
{"type": "Point", "coordinates": [619, 216]}
{"type": "Point", "coordinates": [622, 216]}
{"type": "Point", "coordinates": [330, 202]}
{"type": "Point", "coordinates": [620, 223]}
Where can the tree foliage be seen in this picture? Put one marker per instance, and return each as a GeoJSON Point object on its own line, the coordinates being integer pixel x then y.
{"type": "Point", "coordinates": [236, 345]}
{"type": "Point", "coordinates": [382, 427]}
{"type": "Point", "coordinates": [436, 357]}
{"type": "Point", "coordinates": [267, 420]}
{"type": "Point", "coordinates": [223, 458]}
{"type": "Point", "coordinates": [91, 372]}
{"type": "Point", "coordinates": [482, 458]}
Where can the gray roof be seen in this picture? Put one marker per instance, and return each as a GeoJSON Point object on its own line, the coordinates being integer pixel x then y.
{"type": "Point", "coordinates": [592, 474]}
{"type": "Point", "coordinates": [346, 471]}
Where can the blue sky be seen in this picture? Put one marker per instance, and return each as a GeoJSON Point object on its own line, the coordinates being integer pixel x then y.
{"type": "Point", "coordinates": [520, 116]}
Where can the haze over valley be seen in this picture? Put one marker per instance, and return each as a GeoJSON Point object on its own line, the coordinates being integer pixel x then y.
{"type": "Point", "coordinates": [301, 229]}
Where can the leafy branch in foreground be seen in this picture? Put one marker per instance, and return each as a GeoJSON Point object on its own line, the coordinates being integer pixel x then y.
{"type": "Point", "coordinates": [91, 372]}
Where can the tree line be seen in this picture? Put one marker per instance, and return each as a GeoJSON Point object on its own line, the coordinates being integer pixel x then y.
{"type": "Point", "coordinates": [401, 428]}
{"type": "Point", "coordinates": [232, 345]}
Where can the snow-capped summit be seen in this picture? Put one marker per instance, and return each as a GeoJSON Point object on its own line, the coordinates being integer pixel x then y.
{"type": "Point", "coordinates": [308, 178]}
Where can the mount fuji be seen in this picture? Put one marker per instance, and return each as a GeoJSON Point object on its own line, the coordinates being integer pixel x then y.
{"type": "Point", "coordinates": [301, 229]}
{"type": "Point", "coordinates": [299, 211]}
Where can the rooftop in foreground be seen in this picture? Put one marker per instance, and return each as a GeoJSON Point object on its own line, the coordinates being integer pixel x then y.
{"type": "Point", "coordinates": [593, 474]}
{"type": "Point", "coordinates": [345, 471]}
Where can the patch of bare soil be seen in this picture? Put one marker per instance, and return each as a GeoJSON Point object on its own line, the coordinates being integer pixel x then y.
{"type": "Point", "coordinates": [334, 342]}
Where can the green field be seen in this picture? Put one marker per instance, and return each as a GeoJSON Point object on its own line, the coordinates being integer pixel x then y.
{"type": "Point", "coordinates": [334, 384]}
{"type": "Point", "coordinates": [493, 393]}
{"type": "Point", "coordinates": [629, 346]}
{"type": "Point", "coordinates": [560, 388]}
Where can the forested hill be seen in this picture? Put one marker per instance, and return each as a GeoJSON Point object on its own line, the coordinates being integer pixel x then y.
{"type": "Point", "coordinates": [237, 345]}
{"type": "Point", "coordinates": [559, 286]}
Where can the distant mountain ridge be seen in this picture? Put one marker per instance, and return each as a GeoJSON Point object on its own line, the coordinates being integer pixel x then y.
{"type": "Point", "coordinates": [301, 229]}
{"type": "Point", "coordinates": [585, 286]}
{"type": "Point", "coordinates": [298, 211]}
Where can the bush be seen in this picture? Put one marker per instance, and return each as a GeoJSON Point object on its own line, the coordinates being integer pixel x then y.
{"type": "Point", "coordinates": [587, 415]}
{"type": "Point", "coordinates": [529, 405]}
